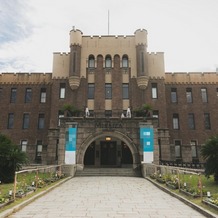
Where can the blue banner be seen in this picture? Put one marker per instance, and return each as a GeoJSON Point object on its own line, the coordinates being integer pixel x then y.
{"type": "Point", "coordinates": [71, 139]}
{"type": "Point", "coordinates": [147, 139]}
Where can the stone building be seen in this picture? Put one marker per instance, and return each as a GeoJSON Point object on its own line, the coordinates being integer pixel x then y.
{"type": "Point", "coordinates": [88, 111]}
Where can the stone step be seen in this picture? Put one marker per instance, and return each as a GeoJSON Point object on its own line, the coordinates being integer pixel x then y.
{"type": "Point", "coordinates": [129, 172]}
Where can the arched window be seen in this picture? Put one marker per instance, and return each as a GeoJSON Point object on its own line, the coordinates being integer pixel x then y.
{"type": "Point", "coordinates": [91, 62]}
{"type": "Point", "coordinates": [108, 61]}
{"type": "Point", "coordinates": [125, 61]}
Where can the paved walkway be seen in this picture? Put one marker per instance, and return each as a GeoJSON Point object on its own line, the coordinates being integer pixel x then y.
{"type": "Point", "coordinates": [104, 197]}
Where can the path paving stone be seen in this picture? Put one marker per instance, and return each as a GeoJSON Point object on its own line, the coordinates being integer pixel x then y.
{"type": "Point", "coordinates": [107, 197]}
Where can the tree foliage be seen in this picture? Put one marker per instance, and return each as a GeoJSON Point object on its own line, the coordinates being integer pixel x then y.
{"type": "Point", "coordinates": [11, 159]}
{"type": "Point", "coordinates": [210, 153]}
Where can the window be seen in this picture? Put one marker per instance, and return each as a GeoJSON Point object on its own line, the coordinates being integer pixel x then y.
{"type": "Point", "coordinates": [26, 120]}
{"type": "Point", "coordinates": [173, 95]}
{"type": "Point", "coordinates": [142, 62]}
{"type": "Point", "coordinates": [23, 145]}
{"type": "Point", "coordinates": [125, 62]}
{"type": "Point", "coordinates": [60, 115]}
{"type": "Point", "coordinates": [108, 61]}
{"type": "Point", "coordinates": [125, 91]}
{"type": "Point", "coordinates": [108, 91]}
{"type": "Point", "coordinates": [91, 90]}
{"type": "Point", "coordinates": [62, 90]}
{"type": "Point", "coordinates": [154, 90]}
{"type": "Point", "coordinates": [216, 92]}
{"type": "Point", "coordinates": [13, 95]}
{"type": "Point", "coordinates": [177, 148]}
{"type": "Point", "coordinates": [175, 121]}
{"type": "Point", "coordinates": [207, 121]}
{"type": "Point", "coordinates": [41, 121]}
{"type": "Point", "coordinates": [156, 115]}
{"type": "Point", "coordinates": [28, 95]}
{"type": "Point", "coordinates": [189, 95]}
{"type": "Point", "coordinates": [43, 95]}
{"type": "Point", "coordinates": [1, 94]}
{"type": "Point", "coordinates": [10, 120]}
{"type": "Point", "coordinates": [191, 121]}
{"type": "Point", "coordinates": [91, 62]}
{"type": "Point", "coordinates": [74, 62]}
{"type": "Point", "coordinates": [204, 95]}
{"type": "Point", "coordinates": [194, 148]}
{"type": "Point", "coordinates": [39, 148]}
{"type": "Point", "coordinates": [108, 113]}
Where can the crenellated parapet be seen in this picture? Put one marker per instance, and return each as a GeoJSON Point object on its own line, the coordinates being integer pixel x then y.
{"type": "Point", "coordinates": [25, 78]}
{"type": "Point", "coordinates": [191, 78]}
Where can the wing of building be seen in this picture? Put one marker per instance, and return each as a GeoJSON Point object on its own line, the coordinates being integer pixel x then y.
{"type": "Point", "coordinates": [108, 102]}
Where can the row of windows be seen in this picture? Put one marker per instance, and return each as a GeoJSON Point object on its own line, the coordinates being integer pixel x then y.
{"type": "Point", "coordinates": [189, 95]}
{"type": "Point", "coordinates": [108, 61]}
{"type": "Point", "coordinates": [191, 121]}
{"type": "Point", "coordinates": [28, 95]}
{"type": "Point", "coordinates": [26, 121]}
{"type": "Point", "coordinates": [178, 148]}
{"type": "Point", "coordinates": [39, 147]}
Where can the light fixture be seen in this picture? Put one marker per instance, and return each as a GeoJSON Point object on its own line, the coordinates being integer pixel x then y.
{"type": "Point", "coordinates": [108, 138]}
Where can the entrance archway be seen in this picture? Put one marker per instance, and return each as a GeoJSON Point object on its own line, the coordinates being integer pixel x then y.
{"type": "Point", "coordinates": [108, 152]}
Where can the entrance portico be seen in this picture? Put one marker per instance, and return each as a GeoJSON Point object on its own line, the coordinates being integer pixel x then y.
{"type": "Point", "coordinates": [105, 142]}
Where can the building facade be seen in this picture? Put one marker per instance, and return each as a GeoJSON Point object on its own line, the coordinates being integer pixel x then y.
{"type": "Point", "coordinates": [86, 112]}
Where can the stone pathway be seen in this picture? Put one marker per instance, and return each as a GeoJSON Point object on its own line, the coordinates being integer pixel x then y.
{"type": "Point", "coordinates": [107, 197]}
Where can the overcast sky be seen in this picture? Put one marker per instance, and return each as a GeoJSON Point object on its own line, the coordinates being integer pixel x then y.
{"type": "Point", "coordinates": [185, 30]}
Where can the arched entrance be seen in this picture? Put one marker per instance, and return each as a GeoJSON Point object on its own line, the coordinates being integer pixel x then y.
{"type": "Point", "coordinates": [108, 149]}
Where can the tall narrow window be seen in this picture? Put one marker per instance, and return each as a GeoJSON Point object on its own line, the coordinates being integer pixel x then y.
{"type": "Point", "coordinates": [74, 62]}
{"type": "Point", "coordinates": [10, 120]}
{"type": "Point", "coordinates": [28, 95]}
{"type": "Point", "coordinates": [24, 145]}
{"type": "Point", "coordinates": [204, 95]}
{"type": "Point", "coordinates": [216, 92]}
{"type": "Point", "coordinates": [43, 95]}
{"type": "Point", "coordinates": [26, 121]}
{"type": "Point", "coordinates": [142, 62]}
{"type": "Point", "coordinates": [125, 91]}
{"type": "Point", "coordinates": [173, 95]}
{"type": "Point", "coordinates": [108, 90]}
{"type": "Point", "coordinates": [108, 61]}
{"type": "Point", "coordinates": [189, 95]}
{"type": "Point", "coordinates": [175, 121]}
{"type": "Point", "coordinates": [191, 121]}
{"type": "Point", "coordinates": [62, 90]}
{"type": "Point", "coordinates": [108, 113]}
{"type": "Point", "coordinates": [91, 62]}
{"type": "Point", "coordinates": [178, 149]}
{"type": "Point", "coordinates": [41, 121]}
{"type": "Point", "coordinates": [194, 148]}
{"type": "Point", "coordinates": [60, 115]}
{"type": "Point", "coordinates": [1, 91]}
{"type": "Point", "coordinates": [13, 95]}
{"type": "Point", "coordinates": [39, 148]}
{"type": "Point", "coordinates": [91, 90]}
{"type": "Point", "coordinates": [156, 115]}
{"type": "Point", "coordinates": [125, 62]}
{"type": "Point", "coordinates": [207, 121]}
{"type": "Point", "coordinates": [154, 90]}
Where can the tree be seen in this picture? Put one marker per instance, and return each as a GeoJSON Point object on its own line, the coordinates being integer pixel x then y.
{"type": "Point", "coordinates": [11, 159]}
{"type": "Point", "coordinates": [210, 153]}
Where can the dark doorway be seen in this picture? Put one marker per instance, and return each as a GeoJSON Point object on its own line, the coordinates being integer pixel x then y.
{"type": "Point", "coordinates": [126, 155]}
{"type": "Point", "coordinates": [108, 153]}
{"type": "Point", "coordinates": [90, 155]}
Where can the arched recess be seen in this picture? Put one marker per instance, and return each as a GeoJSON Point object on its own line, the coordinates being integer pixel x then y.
{"type": "Point", "coordinates": [116, 134]}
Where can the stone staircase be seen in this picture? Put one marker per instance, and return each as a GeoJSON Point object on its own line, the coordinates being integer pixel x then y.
{"type": "Point", "coordinates": [127, 172]}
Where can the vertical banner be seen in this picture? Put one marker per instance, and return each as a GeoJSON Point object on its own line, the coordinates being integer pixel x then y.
{"type": "Point", "coordinates": [147, 143]}
{"type": "Point", "coordinates": [70, 148]}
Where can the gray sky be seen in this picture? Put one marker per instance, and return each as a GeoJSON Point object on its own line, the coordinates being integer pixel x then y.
{"type": "Point", "coordinates": [185, 30]}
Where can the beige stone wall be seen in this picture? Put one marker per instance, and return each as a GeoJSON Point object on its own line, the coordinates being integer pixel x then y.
{"type": "Point", "coordinates": [61, 65]}
{"type": "Point", "coordinates": [191, 78]}
{"type": "Point", "coordinates": [22, 78]}
{"type": "Point", "coordinates": [156, 64]}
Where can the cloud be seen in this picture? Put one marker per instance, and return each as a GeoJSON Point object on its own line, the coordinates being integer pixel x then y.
{"type": "Point", "coordinates": [31, 30]}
